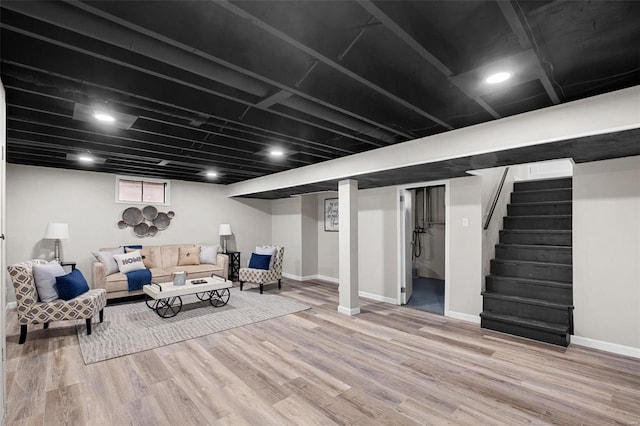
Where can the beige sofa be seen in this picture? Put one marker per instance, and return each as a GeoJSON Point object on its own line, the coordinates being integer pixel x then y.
{"type": "Point", "coordinates": [162, 261]}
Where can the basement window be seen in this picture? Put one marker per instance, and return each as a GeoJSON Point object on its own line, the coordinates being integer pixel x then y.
{"type": "Point", "coordinates": [142, 191]}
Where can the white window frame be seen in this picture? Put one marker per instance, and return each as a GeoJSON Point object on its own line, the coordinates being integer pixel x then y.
{"type": "Point", "coordinates": [167, 190]}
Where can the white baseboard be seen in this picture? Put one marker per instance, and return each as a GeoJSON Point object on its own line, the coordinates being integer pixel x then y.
{"type": "Point", "coordinates": [310, 277]}
{"type": "Point", "coordinates": [326, 278]}
{"type": "Point", "coordinates": [11, 305]}
{"type": "Point", "coordinates": [292, 277]}
{"type": "Point", "coordinates": [377, 297]}
{"type": "Point", "coordinates": [605, 346]}
{"type": "Point", "coordinates": [464, 317]}
{"type": "Point", "coordinates": [347, 311]}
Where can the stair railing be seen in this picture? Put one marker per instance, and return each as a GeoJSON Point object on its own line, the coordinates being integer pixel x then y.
{"type": "Point", "coordinates": [495, 199]}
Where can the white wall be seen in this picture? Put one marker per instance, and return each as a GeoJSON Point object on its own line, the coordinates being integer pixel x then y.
{"type": "Point", "coordinates": [86, 201]}
{"type": "Point", "coordinates": [465, 249]}
{"type": "Point", "coordinates": [327, 243]}
{"type": "Point", "coordinates": [377, 242]}
{"type": "Point", "coordinates": [606, 251]}
{"type": "Point", "coordinates": [286, 225]}
{"type": "Point", "coordinates": [309, 234]}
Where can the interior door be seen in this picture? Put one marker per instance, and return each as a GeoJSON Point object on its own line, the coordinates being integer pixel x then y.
{"type": "Point", "coordinates": [407, 213]}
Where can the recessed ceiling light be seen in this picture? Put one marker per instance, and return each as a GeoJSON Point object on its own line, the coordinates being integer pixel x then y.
{"type": "Point", "coordinates": [85, 159]}
{"type": "Point", "coordinates": [101, 116]}
{"type": "Point", "coordinates": [276, 152]}
{"type": "Point", "coordinates": [212, 174]}
{"type": "Point", "coordinates": [498, 77]}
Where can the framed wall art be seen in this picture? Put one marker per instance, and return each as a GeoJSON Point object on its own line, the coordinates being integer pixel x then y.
{"type": "Point", "coordinates": [331, 214]}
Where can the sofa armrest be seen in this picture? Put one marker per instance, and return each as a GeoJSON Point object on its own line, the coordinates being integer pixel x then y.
{"type": "Point", "coordinates": [223, 259]}
{"type": "Point", "coordinates": [98, 275]}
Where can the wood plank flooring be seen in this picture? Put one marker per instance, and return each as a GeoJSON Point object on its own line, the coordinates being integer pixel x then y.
{"type": "Point", "coordinates": [390, 365]}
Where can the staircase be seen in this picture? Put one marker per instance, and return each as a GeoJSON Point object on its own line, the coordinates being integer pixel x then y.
{"type": "Point", "coordinates": [529, 292]}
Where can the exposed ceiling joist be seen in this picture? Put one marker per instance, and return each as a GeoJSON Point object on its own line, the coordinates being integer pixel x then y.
{"type": "Point", "coordinates": [523, 38]}
{"type": "Point", "coordinates": [325, 60]}
{"type": "Point", "coordinates": [417, 47]}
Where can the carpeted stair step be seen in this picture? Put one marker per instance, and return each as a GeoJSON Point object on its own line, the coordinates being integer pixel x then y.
{"type": "Point", "coordinates": [545, 222]}
{"type": "Point", "coordinates": [533, 329]}
{"type": "Point", "coordinates": [540, 208]}
{"type": "Point", "coordinates": [534, 270]}
{"type": "Point", "coordinates": [525, 307]}
{"type": "Point", "coordinates": [532, 236]}
{"type": "Point", "coordinates": [535, 253]}
{"type": "Point", "coordinates": [554, 291]}
{"type": "Point", "coordinates": [532, 185]}
{"type": "Point", "coordinates": [564, 194]}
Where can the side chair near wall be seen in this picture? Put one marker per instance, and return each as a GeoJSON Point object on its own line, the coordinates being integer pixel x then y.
{"type": "Point", "coordinates": [31, 310]}
{"type": "Point", "coordinates": [271, 273]}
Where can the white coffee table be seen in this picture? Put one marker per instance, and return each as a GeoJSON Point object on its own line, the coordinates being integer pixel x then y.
{"type": "Point", "coordinates": [164, 298]}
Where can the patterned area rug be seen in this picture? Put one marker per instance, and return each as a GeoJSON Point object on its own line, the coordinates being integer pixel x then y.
{"type": "Point", "coordinates": [133, 327]}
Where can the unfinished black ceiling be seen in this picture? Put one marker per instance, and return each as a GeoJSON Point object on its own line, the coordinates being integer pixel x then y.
{"type": "Point", "coordinates": [215, 85]}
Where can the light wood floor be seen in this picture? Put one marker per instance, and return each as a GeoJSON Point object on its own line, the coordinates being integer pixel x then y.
{"type": "Point", "coordinates": [389, 365]}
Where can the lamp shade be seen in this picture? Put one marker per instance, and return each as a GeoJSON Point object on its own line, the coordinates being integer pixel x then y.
{"type": "Point", "coordinates": [224, 229]}
{"type": "Point", "coordinates": [57, 231]}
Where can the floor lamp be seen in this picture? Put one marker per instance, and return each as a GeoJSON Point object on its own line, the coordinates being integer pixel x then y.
{"type": "Point", "coordinates": [57, 232]}
{"type": "Point", "coordinates": [225, 231]}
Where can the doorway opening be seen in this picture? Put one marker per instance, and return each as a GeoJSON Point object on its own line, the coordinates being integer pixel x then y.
{"type": "Point", "coordinates": [423, 249]}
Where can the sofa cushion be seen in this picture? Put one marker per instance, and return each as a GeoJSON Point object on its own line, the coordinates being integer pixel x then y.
{"type": "Point", "coordinates": [169, 254]}
{"type": "Point", "coordinates": [45, 278]}
{"type": "Point", "coordinates": [209, 253]}
{"type": "Point", "coordinates": [129, 262]}
{"type": "Point", "coordinates": [150, 256]}
{"type": "Point", "coordinates": [188, 256]}
{"type": "Point", "coordinates": [197, 271]}
{"type": "Point", "coordinates": [106, 258]}
{"type": "Point", "coordinates": [71, 285]}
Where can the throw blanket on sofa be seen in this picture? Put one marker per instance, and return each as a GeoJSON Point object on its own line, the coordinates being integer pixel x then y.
{"type": "Point", "coordinates": [136, 279]}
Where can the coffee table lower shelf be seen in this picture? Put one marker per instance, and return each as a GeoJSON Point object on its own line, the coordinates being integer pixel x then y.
{"type": "Point", "coordinates": [165, 298]}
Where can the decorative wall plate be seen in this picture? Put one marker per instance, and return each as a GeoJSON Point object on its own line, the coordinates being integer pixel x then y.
{"type": "Point", "coordinates": [162, 221]}
{"type": "Point", "coordinates": [146, 222]}
{"type": "Point", "coordinates": [132, 216]}
{"type": "Point", "coordinates": [141, 229]}
{"type": "Point", "coordinates": [149, 212]}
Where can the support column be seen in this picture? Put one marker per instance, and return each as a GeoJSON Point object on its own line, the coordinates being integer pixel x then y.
{"type": "Point", "coordinates": [348, 247]}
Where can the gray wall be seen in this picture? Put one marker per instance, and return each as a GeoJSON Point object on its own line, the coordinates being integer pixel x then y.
{"type": "Point", "coordinates": [86, 201]}
{"type": "Point", "coordinates": [606, 250]}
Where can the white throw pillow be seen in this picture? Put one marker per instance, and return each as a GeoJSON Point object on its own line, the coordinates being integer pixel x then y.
{"type": "Point", "coordinates": [268, 250]}
{"type": "Point", "coordinates": [209, 254]}
{"type": "Point", "coordinates": [106, 258]}
{"type": "Point", "coordinates": [45, 278]}
{"type": "Point", "coordinates": [129, 262]}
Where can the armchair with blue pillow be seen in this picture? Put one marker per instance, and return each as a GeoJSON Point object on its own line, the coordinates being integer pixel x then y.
{"type": "Point", "coordinates": [265, 266]}
{"type": "Point", "coordinates": [45, 293]}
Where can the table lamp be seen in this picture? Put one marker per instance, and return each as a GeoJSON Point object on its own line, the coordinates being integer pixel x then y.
{"type": "Point", "coordinates": [57, 232]}
{"type": "Point", "coordinates": [225, 231]}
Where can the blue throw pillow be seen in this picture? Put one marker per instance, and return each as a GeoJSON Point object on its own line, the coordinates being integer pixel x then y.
{"type": "Point", "coordinates": [71, 285]}
{"type": "Point", "coordinates": [259, 261]}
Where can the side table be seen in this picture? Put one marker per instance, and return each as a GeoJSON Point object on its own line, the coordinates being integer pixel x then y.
{"type": "Point", "coordinates": [70, 264]}
{"type": "Point", "coordinates": [234, 265]}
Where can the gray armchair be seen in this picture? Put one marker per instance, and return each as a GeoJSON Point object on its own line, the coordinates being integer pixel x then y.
{"type": "Point", "coordinates": [263, 276]}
